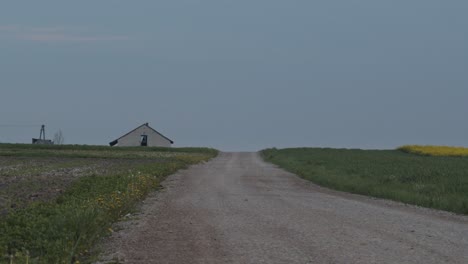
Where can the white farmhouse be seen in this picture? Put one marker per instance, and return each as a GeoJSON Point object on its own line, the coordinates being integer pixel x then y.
{"type": "Point", "coordinates": [143, 135]}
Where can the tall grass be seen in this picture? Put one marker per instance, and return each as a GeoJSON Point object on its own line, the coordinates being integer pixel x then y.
{"type": "Point", "coordinates": [436, 182]}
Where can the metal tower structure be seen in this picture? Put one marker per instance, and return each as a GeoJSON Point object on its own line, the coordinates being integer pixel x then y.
{"type": "Point", "coordinates": [42, 139]}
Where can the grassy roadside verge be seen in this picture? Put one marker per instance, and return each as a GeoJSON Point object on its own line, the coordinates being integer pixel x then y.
{"type": "Point", "coordinates": [435, 182]}
{"type": "Point", "coordinates": [62, 230]}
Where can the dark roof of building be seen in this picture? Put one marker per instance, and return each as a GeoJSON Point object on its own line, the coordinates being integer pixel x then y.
{"type": "Point", "coordinates": [145, 124]}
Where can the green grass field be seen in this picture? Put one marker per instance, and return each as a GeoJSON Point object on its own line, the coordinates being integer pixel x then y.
{"type": "Point", "coordinates": [435, 182]}
{"type": "Point", "coordinates": [57, 201]}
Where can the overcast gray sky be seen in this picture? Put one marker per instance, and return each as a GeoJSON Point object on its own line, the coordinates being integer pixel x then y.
{"type": "Point", "coordinates": [237, 75]}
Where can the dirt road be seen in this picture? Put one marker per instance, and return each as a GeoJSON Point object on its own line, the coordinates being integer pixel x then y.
{"type": "Point", "coordinates": [239, 209]}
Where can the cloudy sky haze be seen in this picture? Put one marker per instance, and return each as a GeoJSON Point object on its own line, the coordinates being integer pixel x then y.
{"type": "Point", "coordinates": [237, 75]}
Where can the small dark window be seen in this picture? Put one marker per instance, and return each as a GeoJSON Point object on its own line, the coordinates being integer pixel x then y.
{"type": "Point", "coordinates": [144, 140]}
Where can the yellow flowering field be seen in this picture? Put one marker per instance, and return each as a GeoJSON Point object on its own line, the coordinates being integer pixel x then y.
{"type": "Point", "coordinates": [436, 150]}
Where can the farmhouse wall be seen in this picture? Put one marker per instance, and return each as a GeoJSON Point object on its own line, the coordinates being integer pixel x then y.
{"type": "Point", "coordinates": [134, 137]}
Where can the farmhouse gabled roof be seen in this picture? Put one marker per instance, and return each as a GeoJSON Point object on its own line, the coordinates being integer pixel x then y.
{"type": "Point", "coordinates": [145, 124]}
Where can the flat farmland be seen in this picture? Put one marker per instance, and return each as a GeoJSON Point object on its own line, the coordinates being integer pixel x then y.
{"type": "Point", "coordinates": [57, 201]}
{"type": "Point", "coordinates": [27, 180]}
{"type": "Point", "coordinates": [439, 181]}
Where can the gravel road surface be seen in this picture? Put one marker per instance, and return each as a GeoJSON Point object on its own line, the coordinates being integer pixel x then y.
{"type": "Point", "coordinates": [239, 209]}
